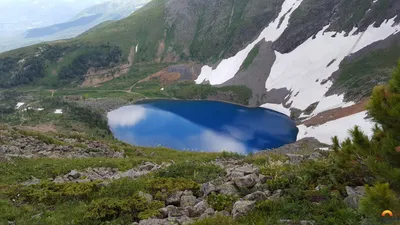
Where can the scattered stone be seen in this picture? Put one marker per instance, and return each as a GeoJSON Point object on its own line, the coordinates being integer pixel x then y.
{"type": "Point", "coordinates": [73, 175]}
{"type": "Point", "coordinates": [32, 181]}
{"type": "Point", "coordinates": [118, 155]}
{"type": "Point", "coordinates": [201, 207]}
{"type": "Point", "coordinates": [263, 179]}
{"type": "Point", "coordinates": [233, 175]}
{"type": "Point", "coordinates": [210, 212]}
{"type": "Point", "coordinates": [174, 199]}
{"type": "Point", "coordinates": [352, 201]}
{"type": "Point", "coordinates": [354, 196]}
{"type": "Point", "coordinates": [184, 220]}
{"type": "Point", "coordinates": [277, 194]}
{"type": "Point", "coordinates": [188, 200]}
{"type": "Point", "coordinates": [246, 169]}
{"type": "Point", "coordinates": [147, 166]}
{"type": "Point", "coordinates": [247, 181]}
{"type": "Point", "coordinates": [207, 188]}
{"type": "Point", "coordinates": [227, 189]}
{"type": "Point", "coordinates": [256, 196]}
{"type": "Point", "coordinates": [295, 159]}
{"type": "Point", "coordinates": [315, 156]}
{"type": "Point", "coordinates": [101, 173]}
{"type": "Point", "coordinates": [241, 208]}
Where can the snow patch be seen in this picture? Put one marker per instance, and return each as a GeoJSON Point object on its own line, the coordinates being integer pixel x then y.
{"type": "Point", "coordinates": [298, 70]}
{"type": "Point", "coordinates": [137, 46]}
{"type": "Point", "coordinates": [331, 102]}
{"type": "Point", "coordinates": [40, 109]}
{"type": "Point", "coordinates": [339, 128]}
{"type": "Point", "coordinates": [227, 69]}
{"type": "Point", "coordinates": [277, 107]}
{"type": "Point", "coordinates": [19, 104]}
{"type": "Point", "coordinates": [58, 111]}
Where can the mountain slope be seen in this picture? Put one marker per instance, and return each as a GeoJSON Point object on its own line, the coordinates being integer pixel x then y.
{"type": "Point", "coordinates": [301, 57]}
{"type": "Point", "coordinates": [83, 21]}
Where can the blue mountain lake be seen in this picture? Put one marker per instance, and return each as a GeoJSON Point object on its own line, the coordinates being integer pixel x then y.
{"type": "Point", "coordinates": [201, 126]}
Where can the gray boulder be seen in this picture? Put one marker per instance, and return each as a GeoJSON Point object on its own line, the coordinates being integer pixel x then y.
{"type": "Point", "coordinates": [295, 159]}
{"type": "Point", "coordinates": [32, 181]}
{"type": "Point", "coordinates": [172, 211]}
{"type": "Point", "coordinates": [354, 196]}
{"type": "Point", "coordinates": [352, 201]}
{"type": "Point", "coordinates": [247, 181]}
{"type": "Point", "coordinates": [73, 175]}
{"type": "Point", "coordinates": [208, 213]}
{"type": "Point", "coordinates": [198, 209]}
{"type": "Point", "coordinates": [188, 200]}
{"type": "Point", "coordinates": [241, 208]}
{"type": "Point", "coordinates": [256, 196]}
{"type": "Point", "coordinates": [227, 189]}
{"type": "Point", "coordinates": [207, 188]}
{"type": "Point", "coordinates": [184, 220]}
{"type": "Point", "coordinates": [174, 199]}
{"type": "Point", "coordinates": [147, 166]}
{"type": "Point", "coordinates": [246, 169]}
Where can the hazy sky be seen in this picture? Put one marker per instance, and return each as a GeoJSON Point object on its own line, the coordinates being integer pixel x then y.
{"type": "Point", "coordinates": [19, 15]}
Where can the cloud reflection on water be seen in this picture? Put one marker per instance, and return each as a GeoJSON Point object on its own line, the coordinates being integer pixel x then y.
{"type": "Point", "coordinates": [200, 126]}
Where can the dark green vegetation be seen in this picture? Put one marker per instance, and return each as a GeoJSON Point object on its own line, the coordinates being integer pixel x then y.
{"type": "Point", "coordinates": [56, 65]}
{"type": "Point", "coordinates": [370, 70]}
{"type": "Point", "coordinates": [198, 172]}
{"type": "Point", "coordinates": [250, 57]}
{"type": "Point", "coordinates": [188, 90]}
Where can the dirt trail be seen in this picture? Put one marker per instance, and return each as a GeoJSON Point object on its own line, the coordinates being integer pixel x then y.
{"type": "Point", "coordinates": [337, 113]}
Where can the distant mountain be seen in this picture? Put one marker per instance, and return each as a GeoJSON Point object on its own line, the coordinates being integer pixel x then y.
{"type": "Point", "coordinates": [51, 30]}
{"type": "Point", "coordinates": [81, 22]}
{"type": "Point", "coordinates": [17, 16]}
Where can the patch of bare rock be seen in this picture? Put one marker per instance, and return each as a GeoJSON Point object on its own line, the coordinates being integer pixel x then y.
{"type": "Point", "coordinates": [18, 145]}
{"type": "Point", "coordinates": [102, 174]}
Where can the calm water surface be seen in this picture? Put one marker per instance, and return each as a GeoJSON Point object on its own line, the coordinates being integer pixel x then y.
{"type": "Point", "coordinates": [201, 126]}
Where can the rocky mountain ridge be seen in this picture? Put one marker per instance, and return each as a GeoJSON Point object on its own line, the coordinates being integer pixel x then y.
{"type": "Point", "coordinates": [299, 57]}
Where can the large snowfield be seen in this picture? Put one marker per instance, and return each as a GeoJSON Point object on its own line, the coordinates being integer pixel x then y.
{"type": "Point", "coordinates": [339, 128]}
{"type": "Point", "coordinates": [306, 70]}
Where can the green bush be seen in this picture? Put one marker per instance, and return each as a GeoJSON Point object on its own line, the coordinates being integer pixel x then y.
{"type": "Point", "coordinates": [171, 185]}
{"type": "Point", "coordinates": [378, 198]}
{"type": "Point", "coordinates": [51, 193]}
{"type": "Point", "coordinates": [221, 202]}
{"type": "Point", "coordinates": [135, 207]}
{"type": "Point", "coordinates": [199, 172]}
{"type": "Point", "coordinates": [330, 211]}
{"type": "Point", "coordinates": [106, 209]}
